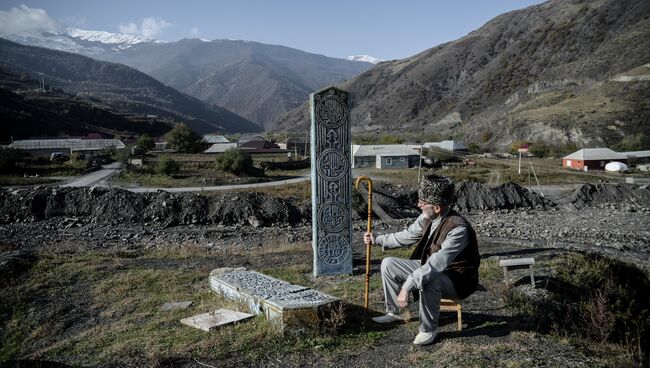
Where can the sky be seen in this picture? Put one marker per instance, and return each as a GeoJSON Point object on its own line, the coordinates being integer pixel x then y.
{"type": "Point", "coordinates": [338, 28]}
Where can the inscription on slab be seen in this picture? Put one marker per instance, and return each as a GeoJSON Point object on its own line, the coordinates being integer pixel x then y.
{"type": "Point", "coordinates": [331, 181]}
{"type": "Point", "coordinates": [294, 309]}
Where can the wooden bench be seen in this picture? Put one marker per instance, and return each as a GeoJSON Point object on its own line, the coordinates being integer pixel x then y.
{"type": "Point", "coordinates": [518, 264]}
{"type": "Point", "coordinates": [448, 305]}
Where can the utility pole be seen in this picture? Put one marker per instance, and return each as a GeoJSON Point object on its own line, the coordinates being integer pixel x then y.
{"type": "Point", "coordinates": [420, 165]}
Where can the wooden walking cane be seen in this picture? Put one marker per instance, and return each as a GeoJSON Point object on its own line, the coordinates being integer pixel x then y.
{"type": "Point", "coordinates": [368, 246]}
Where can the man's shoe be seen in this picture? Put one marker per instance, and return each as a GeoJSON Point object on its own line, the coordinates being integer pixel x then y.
{"type": "Point", "coordinates": [425, 338]}
{"type": "Point", "coordinates": [392, 317]}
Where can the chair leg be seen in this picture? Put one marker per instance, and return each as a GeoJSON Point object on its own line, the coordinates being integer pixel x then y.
{"type": "Point", "coordinates": [460, 318]}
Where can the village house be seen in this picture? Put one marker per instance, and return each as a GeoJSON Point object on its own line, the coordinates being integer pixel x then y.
{"type": "Point", "coordinates": [597, 158]}
{"type": "Point", "coordinates": [218, 143]}
{"type": "Point", "coordinates": [449, 145]}
{"type": "Point", "coordinates": [66, 146]}
{"type": "Point", "coordinates": [259, 145]}
{"type": "Point", "coordinates": [299, 146]}
{"type": "Point", "coordinates": [387, 156]}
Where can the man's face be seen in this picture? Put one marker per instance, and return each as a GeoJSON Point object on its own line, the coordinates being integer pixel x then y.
{"type": "Point", "coordinates": [430, 211]}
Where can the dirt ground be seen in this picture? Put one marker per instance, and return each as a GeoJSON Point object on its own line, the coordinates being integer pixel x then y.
{"type": "Point", "coordinates": [494, 334]}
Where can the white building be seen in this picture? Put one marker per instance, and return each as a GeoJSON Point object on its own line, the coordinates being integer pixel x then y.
{"type": "Point", "coordinates": [45, 147]}
{"type": "Point", "coordinates": [386, 156]}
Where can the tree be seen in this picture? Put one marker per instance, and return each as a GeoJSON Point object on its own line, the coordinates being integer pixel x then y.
{"type": "Point", "coordinates": [634, 142]}
{"type": "Point", "coordinates": [167, 166]}
{"type": "Point", "coordinates": [540, 149]}
{"type": "Point", "coordinates": [486, 136]}
{"type": "Point", "coordinates": [10, 158]}
{"type": "Point", "coordinates": [145, 142]}
{"type": "Point", "coordinates": [234, 160]}
{"type": "Point", "coordinates": [184, 140]}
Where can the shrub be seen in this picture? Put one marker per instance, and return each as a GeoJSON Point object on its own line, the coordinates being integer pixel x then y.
{"type": "Point", "coordinates": [486, 136]}
{"type": "Point", "coordinates": [167, 166]}
{"type": "Point", "coordinates": [514, 147]}
{"type": "Point", "coordinates": [235, 161]}
{"type": "Point", "coordinates": [145, 142]}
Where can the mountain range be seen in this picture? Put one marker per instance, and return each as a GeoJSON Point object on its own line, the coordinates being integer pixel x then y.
{"type": "Point", "coordinates": [257, 81]}
{"type": "Point", "coordinates": [563, 71]}
{"type": "Point", "coordinates": [121, 88]}
{"type": "Point", "coordinates": [51, 113]}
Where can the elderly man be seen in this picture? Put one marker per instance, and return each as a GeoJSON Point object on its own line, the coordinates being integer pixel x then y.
{"type": "Point", "coordinates": [444, 263]}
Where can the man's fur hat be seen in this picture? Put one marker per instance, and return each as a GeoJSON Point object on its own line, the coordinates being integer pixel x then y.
{"type": "Point", "coordinates": [436, 189]}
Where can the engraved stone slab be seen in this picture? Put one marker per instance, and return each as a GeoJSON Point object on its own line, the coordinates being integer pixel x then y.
{"type": "Point", "coordinates": [211, 320]}
{"type": "Point", "coordinates": [175, 305]}
{"type": "Point", "coordinates": [331, 182]}
{"type": "Point", "coordinates": [293, 309]}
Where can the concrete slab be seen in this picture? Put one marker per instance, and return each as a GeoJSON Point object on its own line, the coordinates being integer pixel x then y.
{"type": "Point", "coordinates": [293, 309]}
{"type": "Point", "coordinates": [175, 305]}
{"type": "Point", "coordinates": [211, 320]}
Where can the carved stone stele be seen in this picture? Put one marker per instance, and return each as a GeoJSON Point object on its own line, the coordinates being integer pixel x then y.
{"type": "Point", "coordinates": [331, 182]}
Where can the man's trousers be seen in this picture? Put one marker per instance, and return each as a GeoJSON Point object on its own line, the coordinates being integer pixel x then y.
{"type": "Point", "coordinates": [394, 272]}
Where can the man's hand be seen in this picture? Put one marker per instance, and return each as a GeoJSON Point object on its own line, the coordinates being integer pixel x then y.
{"type": "Point", "coordinates": [403, 299]}
{"type": "Point", "coordinates": [369, 238]}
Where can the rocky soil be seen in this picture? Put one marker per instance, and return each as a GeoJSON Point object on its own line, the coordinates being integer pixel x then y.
{"type": "Point", "coordinates": [604, 218]}
{"type": "Point", "coordinates": [510, 221]}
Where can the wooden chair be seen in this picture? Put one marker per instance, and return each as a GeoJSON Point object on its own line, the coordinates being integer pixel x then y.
{"type": "Point", "coordinates": [448, 305]}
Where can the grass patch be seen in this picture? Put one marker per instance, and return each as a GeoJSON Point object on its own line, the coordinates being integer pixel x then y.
{"type": "Point", "coordinates": [489, 271]}
{"type": "Point", "coordinates": [100, 308]}
{"type": "Point", "coordinates": [593, 301]}
{"type": "Point", "coordinates": [20, 180]}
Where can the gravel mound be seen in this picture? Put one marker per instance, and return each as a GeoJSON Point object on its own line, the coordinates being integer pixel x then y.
{"type": "Point", "coordinates": [116, 206]}
{"type": "Point", "coordinates": [628, 196]}
{"type": "Point", "coordinates": [473, 196]}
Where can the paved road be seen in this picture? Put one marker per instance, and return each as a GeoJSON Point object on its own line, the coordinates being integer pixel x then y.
{"type": "Point", "coordinates": [221, 187]}
{"type": "Point", "coordinates": [101, 177]}
{"type": "Point", "coordinates": [97, 178]}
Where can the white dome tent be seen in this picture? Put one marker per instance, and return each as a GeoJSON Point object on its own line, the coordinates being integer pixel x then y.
{"type": "Point", "coordinates": [616, 167]}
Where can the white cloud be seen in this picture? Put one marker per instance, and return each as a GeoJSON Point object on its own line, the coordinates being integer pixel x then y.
{"type": "Point", "coordinates": [150, 27]}
{"type": "Point", "coordinates": [195, 31]}
{"type": "Point", "coordinates": [130, 28]}
{"type": "Point", "coordinates": [24, 19]}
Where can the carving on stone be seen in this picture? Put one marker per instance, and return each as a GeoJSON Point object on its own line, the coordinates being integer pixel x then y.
{"type": "Point", "coordinates": [331, 182]}
{"type": "Point", "coordinates": [332, 217]}
{"type": "Point", "coordinates": [331, 110]}
{"type": "Point", "coordinates": [333, 249]}
{"type": "Point", "coordinates": [333, 194]}
{"type": "Point", "coordinates": [332, 164]}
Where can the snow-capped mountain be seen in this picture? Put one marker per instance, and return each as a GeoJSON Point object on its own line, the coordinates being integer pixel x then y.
{"type": "Point", "coordinates": [122, 40]}
{"type": "Point", "coordinates": [79, 41]}
{"type": "Point", "coordinates": [366, 58]}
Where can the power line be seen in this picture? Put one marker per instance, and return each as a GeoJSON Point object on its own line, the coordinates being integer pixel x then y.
{"type": "Point", "coordinates": [542, 165]}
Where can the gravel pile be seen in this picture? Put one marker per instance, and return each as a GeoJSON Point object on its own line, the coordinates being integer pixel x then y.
{"type": "Point", "coordinates": [116, 206]}
{"type": "Point", "coordinates": [473, 196]}
{"type": "Point", "coordinates": [623, 196]}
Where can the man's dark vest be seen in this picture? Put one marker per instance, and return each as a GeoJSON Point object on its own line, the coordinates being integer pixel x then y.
{"type": "Point", "coordinates": [463, 270]}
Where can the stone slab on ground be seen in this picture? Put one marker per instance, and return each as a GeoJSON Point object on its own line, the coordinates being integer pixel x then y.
{"type": "Point", "coordinates": [211, 320]}
{"type": "Point", "coordinates": [293, 309]}
{"type": "Point", "coordinates": [175, 305]}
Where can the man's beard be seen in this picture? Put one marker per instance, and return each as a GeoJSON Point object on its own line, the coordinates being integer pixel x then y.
{"type": "Point", "coordinates": [429, 213]}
